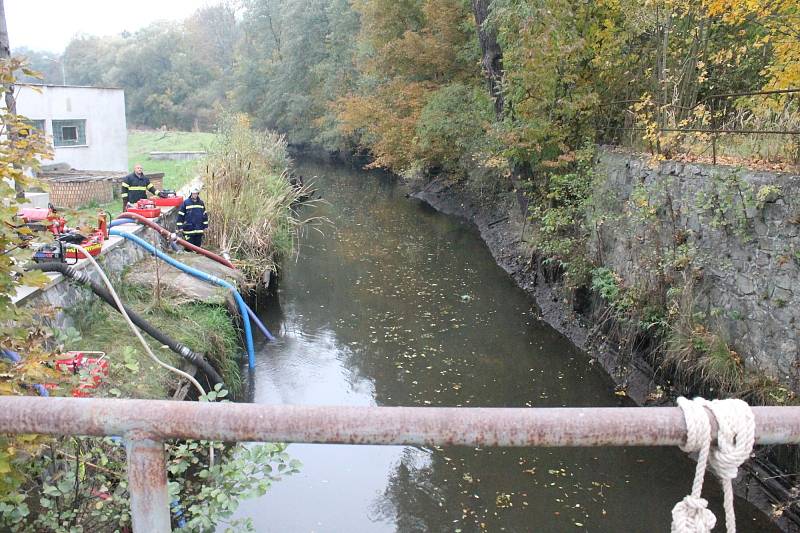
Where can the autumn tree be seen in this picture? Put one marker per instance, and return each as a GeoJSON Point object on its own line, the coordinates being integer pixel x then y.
{"type": "Point", "coordinates": [410, 51]}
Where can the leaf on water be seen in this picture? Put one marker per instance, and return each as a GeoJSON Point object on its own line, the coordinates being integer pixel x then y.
{"type": "Point", "coordinates": [503, 500]}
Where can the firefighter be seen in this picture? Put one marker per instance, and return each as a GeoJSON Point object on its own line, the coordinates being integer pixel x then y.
{"type": "Point", "coordinates": [135, 187]}
{"type": "Point", "coordinates": [192, 218]}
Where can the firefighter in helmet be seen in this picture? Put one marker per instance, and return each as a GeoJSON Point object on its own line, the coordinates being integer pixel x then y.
{"type": "Point", "coordinates": [192, 218]}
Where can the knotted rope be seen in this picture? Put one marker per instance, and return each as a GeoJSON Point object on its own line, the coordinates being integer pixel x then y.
{"type": "Point", "coordinates": [735, 437]}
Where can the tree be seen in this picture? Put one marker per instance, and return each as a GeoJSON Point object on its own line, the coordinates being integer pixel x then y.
{"type": "Point", "coordinates": [491, 54]}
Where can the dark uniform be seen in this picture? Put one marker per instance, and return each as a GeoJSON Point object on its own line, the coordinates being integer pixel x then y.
{"type": "Point", "coordinates": [134, 188]}
{"type": "Point", "coordinates": [193, 220]}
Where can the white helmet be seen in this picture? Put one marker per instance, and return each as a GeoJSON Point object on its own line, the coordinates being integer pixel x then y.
{"type": "Point", "coordinates": [194, 190]}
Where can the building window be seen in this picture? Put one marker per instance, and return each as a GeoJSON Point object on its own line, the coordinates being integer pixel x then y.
{"type": "Point", "coordinates": [69, 132]}
{"type": "Point", "coordinates": [24, 131]}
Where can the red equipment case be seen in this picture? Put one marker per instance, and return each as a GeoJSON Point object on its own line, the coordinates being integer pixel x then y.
{"type": "Point", "coordinates": [172, 201]}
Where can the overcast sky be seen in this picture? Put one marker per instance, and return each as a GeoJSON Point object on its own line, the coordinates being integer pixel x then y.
{"type": "Point", "coordinates": [50, 24]}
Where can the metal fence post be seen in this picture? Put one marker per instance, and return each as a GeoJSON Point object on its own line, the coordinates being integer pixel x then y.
{"type": "Point", "coordinates": [147, 485]}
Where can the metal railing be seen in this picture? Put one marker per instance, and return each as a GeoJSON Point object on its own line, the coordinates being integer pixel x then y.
{"type": "Point", "coordinates": [714, 129]}
{"type": "Point", "coordinates": [146, 424]}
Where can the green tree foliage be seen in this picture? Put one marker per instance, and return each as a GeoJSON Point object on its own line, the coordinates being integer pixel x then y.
{"type": "Point", "coordinates": [277, 83]}
{"type": "Point", "coordinates": [174, 74]}
{"type": "Point", "coordinates": [368, 75]}
{"type": "Point", "coordinates": [453, 125]}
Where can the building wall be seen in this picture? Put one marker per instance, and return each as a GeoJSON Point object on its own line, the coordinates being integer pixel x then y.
{"type": "Point", "coordinates": [103, 110]}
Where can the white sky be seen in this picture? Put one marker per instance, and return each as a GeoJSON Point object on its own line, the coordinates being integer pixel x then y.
{"type": "Point", "coordinates": [50, 24]}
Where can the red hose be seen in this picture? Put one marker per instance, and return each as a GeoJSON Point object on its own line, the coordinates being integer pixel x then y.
{"type": "Point", "coordinates": [169, 235]}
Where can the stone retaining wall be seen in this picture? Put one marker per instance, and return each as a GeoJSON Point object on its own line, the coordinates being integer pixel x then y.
{"type": "Point", "coordinates": [738, 232]}
{"type": "Point", "coordinates": [177, 156]}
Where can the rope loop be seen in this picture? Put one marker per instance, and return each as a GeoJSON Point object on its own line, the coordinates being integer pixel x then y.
{"type": "Point", "coordinates": [735, 439]}
{"type": "Point", "coordinates": [692, 514]}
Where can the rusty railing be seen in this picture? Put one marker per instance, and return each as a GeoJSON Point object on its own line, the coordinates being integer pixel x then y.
{"type": "Point", "coordinates": [146, 424]}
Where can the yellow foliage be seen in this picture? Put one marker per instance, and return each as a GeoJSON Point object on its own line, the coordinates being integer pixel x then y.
{"type": "Point", "coordinates": [413, 47]}
{"type": "Point", "coordinates": [386, 121]}
{"type": "Point", "coordinates": [780, 22]}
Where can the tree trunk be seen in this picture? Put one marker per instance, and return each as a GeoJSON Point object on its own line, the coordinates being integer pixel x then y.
{"type": "Point", "coordinates": [5, 48]}
{"type": "Point", "coordinates": [11, 103]}
{"type": "Point", "coordinates": [492, 55]}
{"type": "Point", "coordinates": [5, 53]}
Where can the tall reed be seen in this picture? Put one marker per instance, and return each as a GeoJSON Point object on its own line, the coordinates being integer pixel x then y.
{"type": "Point", "coordinates": [248, 196]}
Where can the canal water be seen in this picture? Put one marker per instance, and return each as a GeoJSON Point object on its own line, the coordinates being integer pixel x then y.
{"type": "Point", "coordinates": [393, 304]}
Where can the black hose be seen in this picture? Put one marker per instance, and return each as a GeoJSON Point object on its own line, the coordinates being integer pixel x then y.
{"type": "Point", "coordinates": [83, 278]}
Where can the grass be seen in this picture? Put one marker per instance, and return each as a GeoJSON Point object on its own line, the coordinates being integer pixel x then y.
{"type": "Point", "coordinates": [204, 328]}
{"type": "Point", "coordinates": [140, 144]}
{"type": "Point", "coordinates": [176, 173]}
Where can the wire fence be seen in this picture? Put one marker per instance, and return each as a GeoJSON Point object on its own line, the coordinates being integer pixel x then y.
{"type": "Point", "coordinates": [776, 111]}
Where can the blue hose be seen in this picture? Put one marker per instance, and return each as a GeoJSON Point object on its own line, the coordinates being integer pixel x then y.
{"type": "Point", "coordinates": [11, 355]}
{"type": "Point", "coordinates": [248, 335]}
{"type": "Point", "coordinates": [178, 512]}
{"type": "Point", "coordinates": [260, 325]}
{"type": "Point", "coordinates": [250, 312]}
{"type": "Point", "coordinates": [14, 357]}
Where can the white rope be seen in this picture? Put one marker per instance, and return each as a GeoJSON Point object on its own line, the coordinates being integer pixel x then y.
{"type": "Point", "coordinates": [691, 514]}
{"type": "Point", "coordinates": [146, 346]}
{"type": "Point", "coordinates": [735, 438]}
{"type": "Point", "coordinates": [132, 325]}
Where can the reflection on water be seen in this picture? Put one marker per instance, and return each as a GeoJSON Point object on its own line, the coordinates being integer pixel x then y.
{"type": "Point", "coordinates": [398, 305]}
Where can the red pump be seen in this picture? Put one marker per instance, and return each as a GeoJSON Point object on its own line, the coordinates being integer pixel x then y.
{"type": "Point", "coordinates": [146, 208]}
{"type": "Point", "coordinates": [168, 199]}
{"type": "Point", "coordinates": [97, 368]}
{"type": "Point", "coordinates": [94, 242]}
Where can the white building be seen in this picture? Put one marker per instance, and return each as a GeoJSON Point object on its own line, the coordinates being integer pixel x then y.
{"type": "Point", "coordinates": [86, 124]}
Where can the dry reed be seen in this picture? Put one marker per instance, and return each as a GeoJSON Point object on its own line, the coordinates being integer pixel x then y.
{"type": "Point", "coordinates": [249, 198]}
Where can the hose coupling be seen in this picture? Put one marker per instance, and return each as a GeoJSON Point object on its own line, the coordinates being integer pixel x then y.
{"type": "Point", "coordinates": [79, 276]}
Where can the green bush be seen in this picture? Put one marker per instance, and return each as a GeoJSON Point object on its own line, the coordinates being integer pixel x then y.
{"type": "Point", "coordinates": [453, 123]}
{"type": "Point", "coordinates": [248, 196]}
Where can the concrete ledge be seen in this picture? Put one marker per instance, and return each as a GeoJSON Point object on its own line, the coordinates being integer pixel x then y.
{"type": "Point", "coordinates": [178, 156]}
{"type": "Point", "coordinates": [117, 254]}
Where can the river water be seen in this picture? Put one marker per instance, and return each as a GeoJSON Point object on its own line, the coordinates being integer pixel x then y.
{"type": "Point", "coordinates": [398, 305]}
